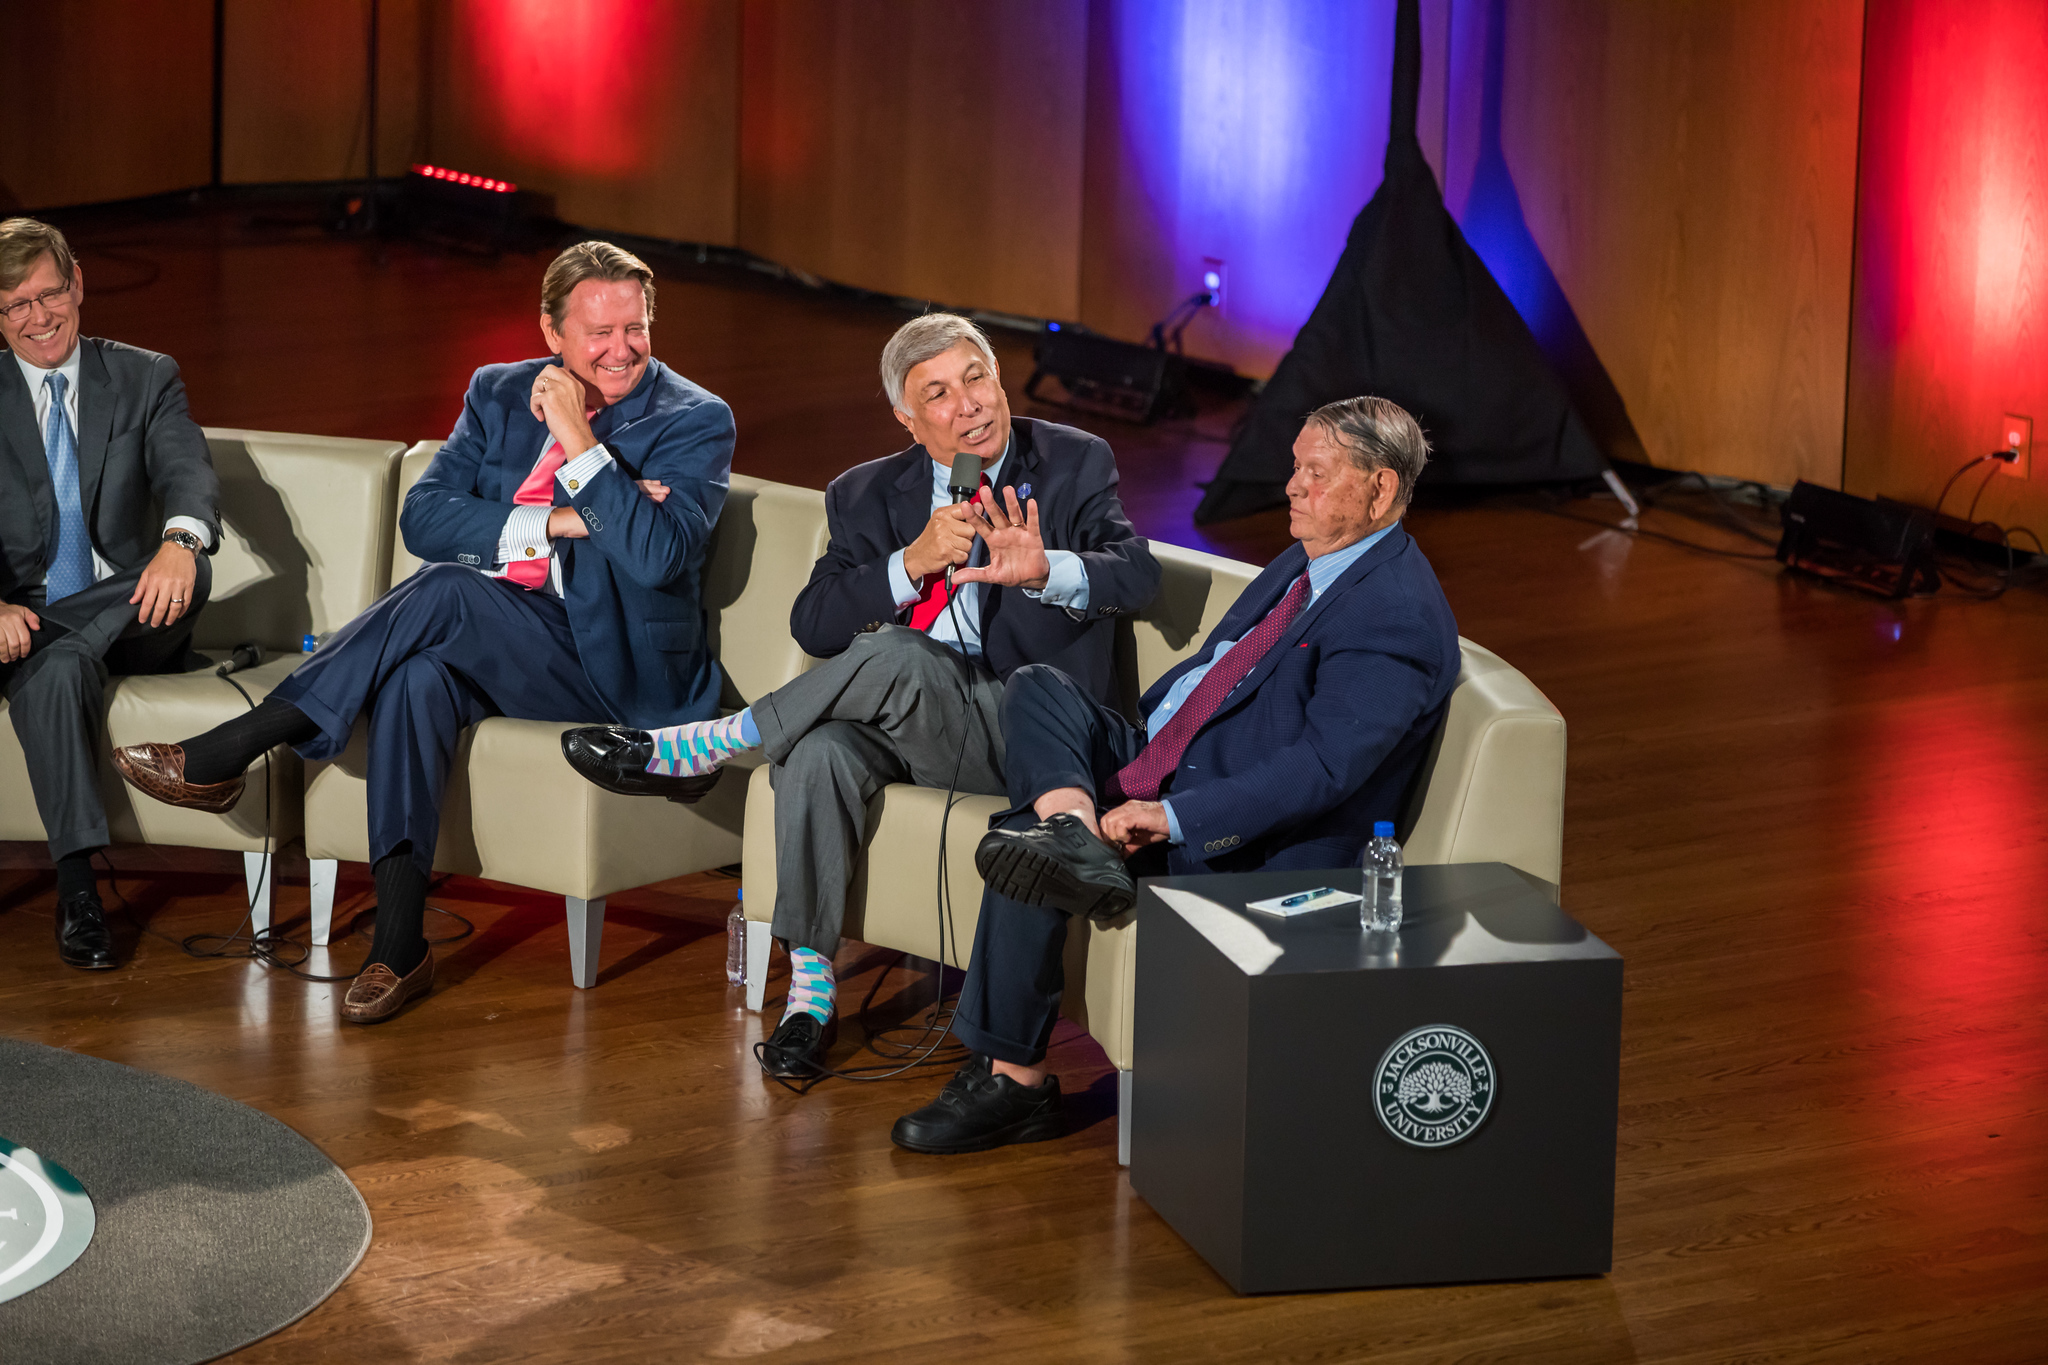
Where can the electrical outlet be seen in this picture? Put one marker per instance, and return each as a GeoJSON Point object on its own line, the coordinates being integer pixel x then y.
{"type": "Point", "coordinates": [2017, 433]}
{"type": "Point", "coordinates": [1214, 277]}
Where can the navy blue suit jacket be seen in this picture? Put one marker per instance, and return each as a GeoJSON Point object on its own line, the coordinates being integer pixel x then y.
{"type": "Point", "coordinates": [1325, 734]}
{"type": "Point", "coordinates": [633, 589]}
{"type": "Point", "coordinates": [877, 508]}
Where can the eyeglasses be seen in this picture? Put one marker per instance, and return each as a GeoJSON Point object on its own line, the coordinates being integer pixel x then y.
{"type": "Point", "coordinates": [49, 299]}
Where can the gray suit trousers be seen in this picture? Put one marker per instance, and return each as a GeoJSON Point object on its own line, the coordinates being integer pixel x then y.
{"type": "Point", "coordinates": [894, 707]}
{"type": "Point", "coordinates": [56, 697]}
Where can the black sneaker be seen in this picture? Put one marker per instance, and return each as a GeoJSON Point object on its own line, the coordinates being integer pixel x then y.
{"type": "Point", "coordinates": [616, 758]}
{"type": "Point", "coordinates": [979, 1110]}
{"type": "Point", "coordinates": [797, 1046]}
{"type": "Point", "coordinates": [1057, 863]}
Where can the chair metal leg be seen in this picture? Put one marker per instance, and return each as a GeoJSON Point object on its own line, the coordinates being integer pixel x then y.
{"type": "Point", "coordinates": [1123, 1118]}
{"type": "Point", "coordinates": [586, 935]}
{"type": "Point", "coordinates": [324, 871]}
{"type": "Point", "coordinates": [759, 942]}
{"type": "Point", "coordinates": [256, 872]}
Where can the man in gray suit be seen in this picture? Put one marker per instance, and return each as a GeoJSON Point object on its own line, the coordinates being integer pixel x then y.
{"type": "Point", "coordinates": [108, 509]}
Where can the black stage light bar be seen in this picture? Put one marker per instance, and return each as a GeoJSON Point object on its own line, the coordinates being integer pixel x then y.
{"type": "Point", "coordinates": [462, 208]}
{"type": "Point", "coordinates": [1111, 378]}
{"type": "Point", "coordinates": [1877, 546]}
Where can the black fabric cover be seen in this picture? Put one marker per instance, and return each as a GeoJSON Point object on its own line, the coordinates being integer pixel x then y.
{"type": "Point", "coordinates": [1413, 315]}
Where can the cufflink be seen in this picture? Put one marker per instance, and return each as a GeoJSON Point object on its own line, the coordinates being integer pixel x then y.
{"type": "Point", "coordinates": [531, 552]}
{"type": "Point", "coordinates": [574, 485]}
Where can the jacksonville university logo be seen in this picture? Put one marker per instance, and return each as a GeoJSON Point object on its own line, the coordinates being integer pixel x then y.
{"type": "Point", "coordinates": [1434, 1086]}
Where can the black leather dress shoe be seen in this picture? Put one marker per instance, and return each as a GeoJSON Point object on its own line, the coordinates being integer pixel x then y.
{"type": "Point", "coordinates": [797, 1046]}
{"type": "Point", "coordinates": [979, 1110]}
{"type": "Point", "coordinates": [82, 937]}
{"type": "Point", "coordinates": [1057, 863]}
{"type": "Point", "coordinates": [615, 758]}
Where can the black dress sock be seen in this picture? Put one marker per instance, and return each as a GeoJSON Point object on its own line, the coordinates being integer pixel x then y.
{"type": "Point", "coordinates": [401, 912]}
{"type": "Point", "coordinates": [74, 873]}
{"type": "Point", "coordinates": [229, 748]}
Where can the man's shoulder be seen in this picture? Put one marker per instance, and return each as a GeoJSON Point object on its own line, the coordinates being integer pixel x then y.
{"type": "Point", "coordinates": [876, 477]}
{"type": "Point", "coordinates": [122, 359]}
{"type": "Point", "coordinates": [670, 395]}
{"type": "Point", "coordinates": [1057, 440]}
{"type": "Point", "coordinates": [509, 384]}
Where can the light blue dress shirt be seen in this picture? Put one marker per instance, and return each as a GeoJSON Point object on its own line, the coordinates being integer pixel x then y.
{"type": "Point", "coordinates": [1066, 585]}
{"type": "Point", "coordinates": [1323, 570]}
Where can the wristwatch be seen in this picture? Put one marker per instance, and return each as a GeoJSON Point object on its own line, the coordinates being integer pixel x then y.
{"type": "Point", "coordinates": [185, 539]}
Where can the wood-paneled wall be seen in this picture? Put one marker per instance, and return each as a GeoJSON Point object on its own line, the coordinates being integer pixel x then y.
{"type": "Point", "coordinates": [108, 100]}
{"type": "Point", "coordinates": [1952, 253]}
{"type": "Point", "coordinates": [296, 90]}
{"type": "Point", "coordinates": [1688, 171]}
{"type": "Point", "coordinates": [627, 112]}
{"type": "Point", "coordinates": [924, 148]}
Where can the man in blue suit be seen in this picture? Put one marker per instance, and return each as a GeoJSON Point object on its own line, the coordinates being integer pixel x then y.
{"type": "Point", "coordinates": [1276, 746]}
{"type": "Point", "coordinates": [565, 523]}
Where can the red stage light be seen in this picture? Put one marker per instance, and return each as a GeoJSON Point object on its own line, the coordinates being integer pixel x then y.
{"type": "Point", "coordinates": [463, 178]}
{"type": "Point", "coordinates": [576, 88]}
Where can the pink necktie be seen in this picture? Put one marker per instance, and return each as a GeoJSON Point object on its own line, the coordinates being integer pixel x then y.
{"type": "Point", "coordinates": [538, 489]}
{"type": "Point", "coordinates": [1140, 778]}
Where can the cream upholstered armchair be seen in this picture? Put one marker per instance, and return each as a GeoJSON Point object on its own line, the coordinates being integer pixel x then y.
{"type": "Point", "coordinates": [1493, 791]}
{"type": "Point", "coordinates": [305, 545]}
{"type": "Point", "coordinates": [516, 812]}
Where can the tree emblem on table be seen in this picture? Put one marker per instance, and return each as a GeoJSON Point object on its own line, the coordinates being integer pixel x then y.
{"type": "Point", "coordinates": [1435, 1087]}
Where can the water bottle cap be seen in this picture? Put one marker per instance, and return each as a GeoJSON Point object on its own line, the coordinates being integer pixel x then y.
{"type": "Point", "coordinates": [309, 644]}
{"type": "Point", "coordinates": [739, 893]}
{"type": "Point", "coordinates": [1383, 829]}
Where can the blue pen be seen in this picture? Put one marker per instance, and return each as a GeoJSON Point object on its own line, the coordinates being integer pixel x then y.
{"type": "Point", "coordinates": [1305, 897]}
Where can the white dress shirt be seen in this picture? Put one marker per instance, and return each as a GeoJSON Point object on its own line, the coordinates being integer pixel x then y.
{"type": "Point", "coordinates": [38, 390]}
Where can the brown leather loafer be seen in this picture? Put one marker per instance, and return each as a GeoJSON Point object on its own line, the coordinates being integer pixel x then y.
{"type": "Point", "coordinates": [379, 993]}
{"type": "Point", "coordinates": [158, 771]}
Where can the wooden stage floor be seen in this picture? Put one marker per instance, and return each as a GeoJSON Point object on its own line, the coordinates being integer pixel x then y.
{"type": "Point", "coordinates": [1812, 823]}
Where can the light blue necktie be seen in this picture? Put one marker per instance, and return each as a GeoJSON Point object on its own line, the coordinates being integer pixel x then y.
{"type": "Point", "coordinates": [71, 560]}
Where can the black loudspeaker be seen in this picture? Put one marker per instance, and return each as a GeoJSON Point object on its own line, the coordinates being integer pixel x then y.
{"type": "Point", "coordinates": [1112, 378]}
{"type": "Point", "coordinates": [1877, 546]}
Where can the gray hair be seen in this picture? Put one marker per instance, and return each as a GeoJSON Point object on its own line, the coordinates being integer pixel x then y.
{"type": "Point", "coordinates": [1377, 434]}
{"type": "Point", "coordinates": [918, 340]}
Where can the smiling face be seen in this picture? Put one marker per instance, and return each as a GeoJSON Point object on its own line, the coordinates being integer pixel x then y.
{"type": "Point", "coordinates": [604, 336]}
{"type": "Point", "coordinates": [956, 402]}
{"type": "Point", "coordinates": [1331, 502]}
{"type": "Point", "coordinates": [45, 332]}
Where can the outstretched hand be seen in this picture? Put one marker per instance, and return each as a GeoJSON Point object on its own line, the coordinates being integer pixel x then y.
{"type": "Point", "coordinates": [1016, 551]}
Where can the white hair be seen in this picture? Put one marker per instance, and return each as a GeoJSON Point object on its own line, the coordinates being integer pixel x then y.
{"type": "Point", "coordinates": [918, 340]}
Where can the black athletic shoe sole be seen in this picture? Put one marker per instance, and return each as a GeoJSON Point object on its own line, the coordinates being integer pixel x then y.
{"type": "Point", "coordinates": [1036, 1128]}
{"type": "Point", "coordinates": [1010, 868]}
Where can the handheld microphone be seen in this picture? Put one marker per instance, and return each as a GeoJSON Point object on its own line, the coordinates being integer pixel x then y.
{"type": "Point", "coordinates": [965, 480]}
{"type": "Point", "coordinates": [247, 654]}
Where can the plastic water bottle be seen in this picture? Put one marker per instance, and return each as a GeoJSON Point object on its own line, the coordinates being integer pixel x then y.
{"type": "Point", "coordinates": [1381, 911]}
{"type": "Point", "coordinates": [736, 945]}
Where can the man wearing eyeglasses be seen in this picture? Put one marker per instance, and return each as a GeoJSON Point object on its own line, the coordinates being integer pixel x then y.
{"type": "Point", "coordinates": [108, 509]}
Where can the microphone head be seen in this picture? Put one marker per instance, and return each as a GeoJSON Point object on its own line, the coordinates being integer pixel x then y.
{"type": "Point", "coordinates": [966, 476]}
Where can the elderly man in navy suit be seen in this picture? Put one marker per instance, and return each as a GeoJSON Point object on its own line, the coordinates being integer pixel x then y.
{"type": "Point", "coordinates": [565, 524]}
{"type": "Point", "coordinates": [1276, 746]}
{"type": "Point", "coordinates": [924, 605]}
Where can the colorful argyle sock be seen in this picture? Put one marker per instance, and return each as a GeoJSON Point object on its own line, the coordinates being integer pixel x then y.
{"type": "Point", "coordinates": [694, 749]}
{"type": "Point", "coordinates": [811, 985]}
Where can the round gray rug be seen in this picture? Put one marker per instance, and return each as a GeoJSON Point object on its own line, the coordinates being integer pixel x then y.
{"type": "Point", "coordinates": [216, 1225]}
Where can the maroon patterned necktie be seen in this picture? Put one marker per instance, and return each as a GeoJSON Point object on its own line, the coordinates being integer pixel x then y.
{"type": "Point", "coordinates": [1140, 778]}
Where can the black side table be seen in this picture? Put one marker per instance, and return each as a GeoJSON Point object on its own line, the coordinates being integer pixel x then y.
{"type": "Point", "coordinates": [1316, 1107]}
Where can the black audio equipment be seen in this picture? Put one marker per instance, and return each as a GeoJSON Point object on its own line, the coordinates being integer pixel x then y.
{"type": "Point", "coordinates": [1877, 546]}
{"type": "Point", "coordinates": [1110, 378]}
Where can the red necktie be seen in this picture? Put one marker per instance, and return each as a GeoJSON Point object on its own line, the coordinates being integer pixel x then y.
{"type": "Point", "coordinates": [537, 491]}
{"type": "Point", "coordinates": [931, 599]}
{"type": "Point", "coordinates": [1140, 778]}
